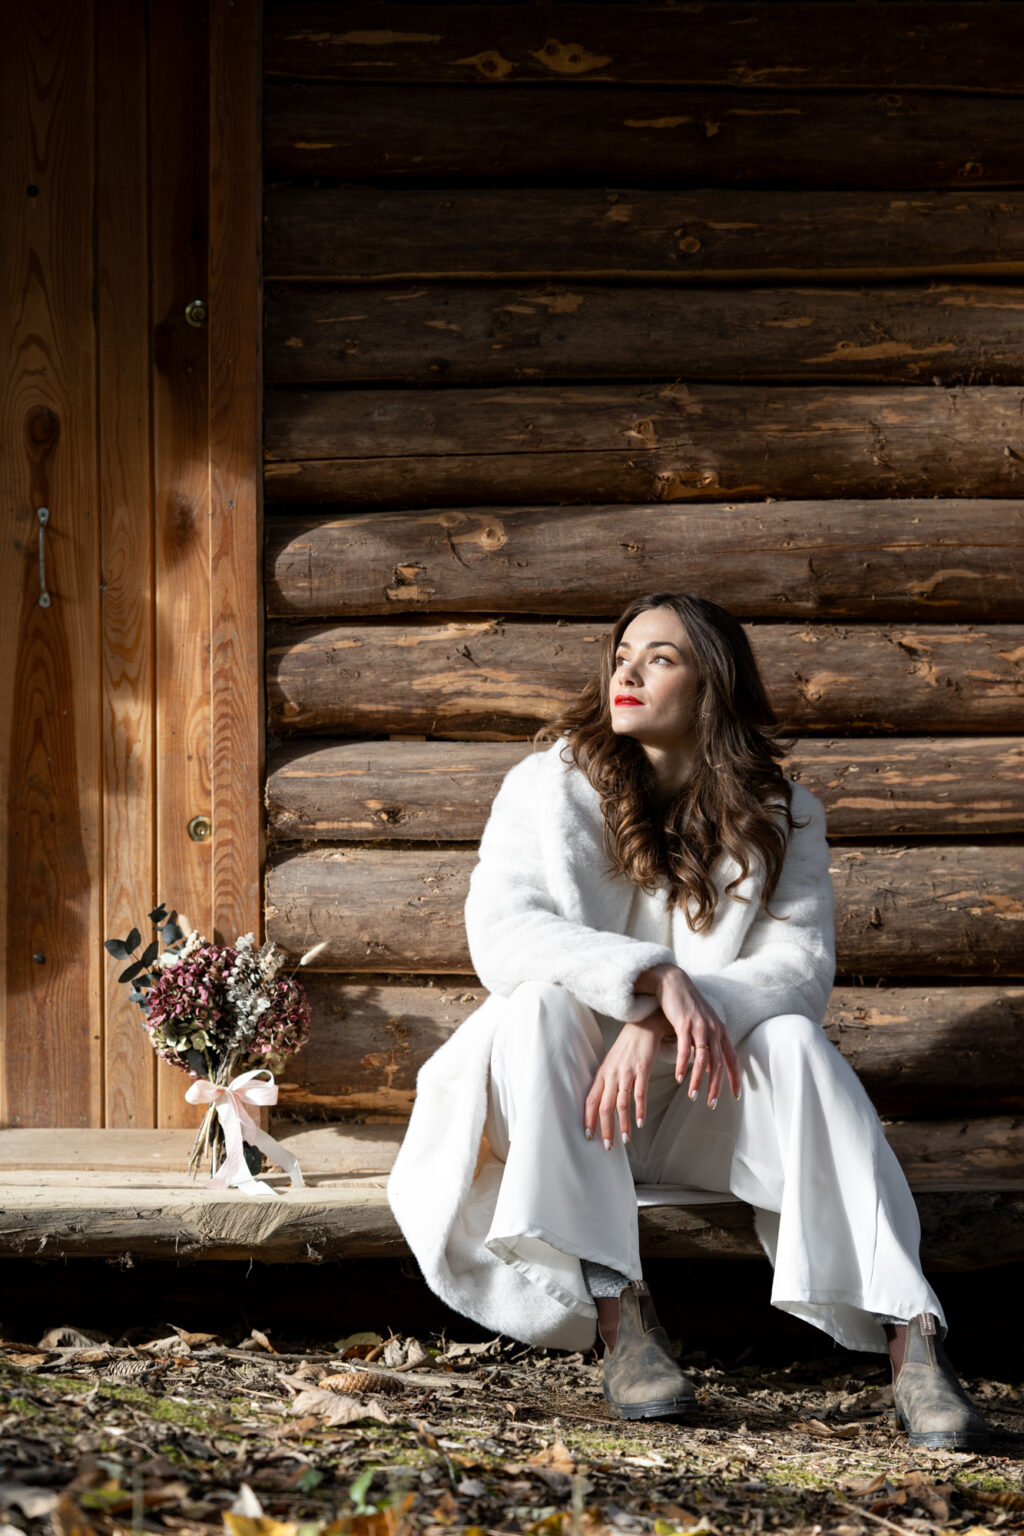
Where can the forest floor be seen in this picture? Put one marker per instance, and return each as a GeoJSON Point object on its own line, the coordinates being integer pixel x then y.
{"type": "Point", "coordinates": [166, 1430]}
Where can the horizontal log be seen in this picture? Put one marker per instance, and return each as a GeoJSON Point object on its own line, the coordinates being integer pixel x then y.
{"type": "Point", "coordinates": [911, 911]}
{"type": "Point", "coordinates": [958, 1231]}
{"type": "Point", "coordinates": [43, 1218]}
{"type": "Point", "coordinates": [640, 443]}
{"type": "Point", "coordinates": [494, 679]}
{"type": "Point", "coordinates": [641, 137]}
{"type": "Point", "coordinates": [360, 233]}
{"type": "Point", "coordinates": [950, 558]}
{"type": "Point", "coordinates": [957, 46]}
{"type": "Point", "coordinates": [441, 791]}
{"type": "Point", "coordinates": [920, 1052]}
{"type": "Point", "coordinates": [486, 333]}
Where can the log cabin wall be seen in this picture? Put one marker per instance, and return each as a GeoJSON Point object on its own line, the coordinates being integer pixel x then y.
{"type": "Point", "coordinates": [568, 303]}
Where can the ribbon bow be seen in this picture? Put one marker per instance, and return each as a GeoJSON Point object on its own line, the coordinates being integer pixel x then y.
{"type": "Point", "coordinates": [231, 1100]}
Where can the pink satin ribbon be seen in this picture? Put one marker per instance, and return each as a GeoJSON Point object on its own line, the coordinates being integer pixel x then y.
{"type": "Point", "coordinates": [231, 1101]}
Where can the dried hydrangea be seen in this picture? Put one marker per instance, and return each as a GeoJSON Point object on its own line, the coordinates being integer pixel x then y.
{"type": "Point", "coordinates": [187, 1007]}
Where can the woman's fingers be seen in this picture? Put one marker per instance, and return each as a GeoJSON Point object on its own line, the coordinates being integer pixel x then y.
{"type": "Point", "coordinates": [593, 1104]}
{"type": "Point", "coordinates": [622, 1104]}
{"type": "Point", "coordinates": [702, 1061]}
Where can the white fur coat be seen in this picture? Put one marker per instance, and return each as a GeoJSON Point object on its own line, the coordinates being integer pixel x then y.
{"type": "Point", "coordinates": [542, 907]}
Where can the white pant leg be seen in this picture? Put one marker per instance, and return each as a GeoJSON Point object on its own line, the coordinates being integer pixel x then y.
{"type": "Point", "coordinates": [561, 1197]}
{"type": "Point", "coordinates": [805, 1147]}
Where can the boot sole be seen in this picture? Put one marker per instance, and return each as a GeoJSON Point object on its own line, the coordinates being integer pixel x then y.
{"type": "Point", "coordinates": [659, 1408]}
{"type": "Point", "coordinates": [945, 1439]}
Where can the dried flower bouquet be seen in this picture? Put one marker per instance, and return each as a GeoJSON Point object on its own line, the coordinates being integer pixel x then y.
{"type": "Point", "coordinates": [214, 1011]}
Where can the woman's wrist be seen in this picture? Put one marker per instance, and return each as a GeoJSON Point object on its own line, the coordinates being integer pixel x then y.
{"type": "Point", "coordinates": [651, 981]}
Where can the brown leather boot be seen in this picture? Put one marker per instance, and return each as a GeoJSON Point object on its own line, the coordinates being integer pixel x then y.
{"type": "Point", "coordinates": [929, 1401]}
{"type": "Point", "coordinates": [641, 1379]}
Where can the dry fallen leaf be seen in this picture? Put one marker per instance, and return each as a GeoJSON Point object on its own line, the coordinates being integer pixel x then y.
{"type": "Point", "coordinates": [828, 1431]}
{"type": "Point", "coordinates": [257, 1341]}
{"type": "Point", "coordinates": [335, 1408]}
{"type": "Point", "coordinates": [170, 1346]}
{"type": "Point", "coordinates": [556, 1457]}
{"type": "Point", "coordinates": [67, 1338]}
{"type": "Point", "coordinates": [1004, 1498]}
{"type": "Point", "coordinates": [194, 1340]}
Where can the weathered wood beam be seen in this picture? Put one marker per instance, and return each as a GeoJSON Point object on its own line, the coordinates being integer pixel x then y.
{"type": "Point", "coordinates": [640, 443]}
{"type": "Point", "coordinates": [958, 1231]}
{"type": "Point", "coordinates": [356, 233]}
{"type": "Point", "coordinates": [441, 791]}
{"type": "Point", "coordinates": [951, 558]}
{"type": "Point", "coordinates": [936, 1050]}
{"type": "Point", "coordinates": [939, 910]}
{"type": "Point", "coordinates": [46, 1217]}
{"type": "Point", "coordinates": [640, 136]}
{"type": "Point", "coordinates": [487, 333]}
{"type": "Point", "coordinates": [956, 46]}
{"type": "Point", "coordinates": [489, 678]}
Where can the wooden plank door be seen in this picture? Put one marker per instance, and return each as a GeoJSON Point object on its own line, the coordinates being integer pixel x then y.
{"type": "Point", "coordinates": [130, 703]}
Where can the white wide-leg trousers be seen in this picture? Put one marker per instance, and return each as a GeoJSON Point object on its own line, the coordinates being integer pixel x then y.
{"type": "Point", "coordinates": [803, 1146]}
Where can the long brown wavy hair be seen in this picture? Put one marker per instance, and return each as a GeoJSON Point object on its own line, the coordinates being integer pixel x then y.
{"type": "Point", "coordinates": [725, 806]}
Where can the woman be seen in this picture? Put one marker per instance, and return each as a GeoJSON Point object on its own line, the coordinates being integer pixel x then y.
{"type": "Point", "coordinates": [652, 916]}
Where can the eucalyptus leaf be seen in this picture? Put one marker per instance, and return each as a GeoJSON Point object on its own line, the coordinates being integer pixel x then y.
{"type": "Point", "coordinates": [132, 971]}
{"type": "Point", "coordinates": [116, 947]}
{"type": "Point", "coordinates": [170, 933]}
{"type": "Point", "coordinates": [253, 1157]}
{"type": "Point", "coordinates": [150, 952]}
{"type": "Point", "coordinates": [133, 940]}
{"type": "Point", "coordinates": [135, 996]}
{"type": "Point", "coordinates": [158, 914]}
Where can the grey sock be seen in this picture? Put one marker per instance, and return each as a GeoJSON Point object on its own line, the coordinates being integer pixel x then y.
{"type": "Point", "coordinates": [602, 1281]}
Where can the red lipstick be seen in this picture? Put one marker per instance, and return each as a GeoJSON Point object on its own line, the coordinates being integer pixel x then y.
{"type": "Point", "coordinates": [626, 698]}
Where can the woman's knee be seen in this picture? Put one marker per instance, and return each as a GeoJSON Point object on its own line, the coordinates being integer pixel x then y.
{"type": "Point", "coordinates": [787, 1035]}
{"type": "Point", "coordinates": [550, 1011]}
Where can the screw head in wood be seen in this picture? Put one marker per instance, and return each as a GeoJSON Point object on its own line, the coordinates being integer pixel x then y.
{"type": "Point", "coordinates": [200, 828]}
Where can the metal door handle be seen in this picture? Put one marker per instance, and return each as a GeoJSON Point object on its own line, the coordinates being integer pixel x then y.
{"type": "Point", "coordinates": [43, 514]}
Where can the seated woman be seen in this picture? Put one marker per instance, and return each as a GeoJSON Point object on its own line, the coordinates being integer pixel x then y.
{"type": "Point", "coordinates": [652, 916]}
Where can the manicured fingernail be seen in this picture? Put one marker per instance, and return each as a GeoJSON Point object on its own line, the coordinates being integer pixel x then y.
{"type": "Point", "coordinates": [588, 1133]}
{"type": "Point", "coordinates": [625, 1136]}
{"type": "Point", "coordinates": [639, 1124]}
{"type": "Point", "coordinates": [679, 1077]}
{"type": "Point", "coordinates": [693, 1093]}
{"type": "Point", "coordinates": [712, 1103]}
{"type": "Point", "coordinates": [607, 1146]}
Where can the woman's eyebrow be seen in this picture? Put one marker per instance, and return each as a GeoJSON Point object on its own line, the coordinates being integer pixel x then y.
{"type": "Point", "coordinates": [650, 645]}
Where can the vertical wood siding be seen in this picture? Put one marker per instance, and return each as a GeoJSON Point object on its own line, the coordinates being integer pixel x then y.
{"type": "Point", "coordinates": [50, 688]}
{"type": "Point", "coordinates": [133, 703]}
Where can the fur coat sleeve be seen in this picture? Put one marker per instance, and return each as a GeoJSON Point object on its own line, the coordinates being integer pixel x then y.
{"type": "Point", "coordinates": [541, 870]}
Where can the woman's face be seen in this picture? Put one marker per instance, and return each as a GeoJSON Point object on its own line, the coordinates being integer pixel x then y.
{"type": "Point", "coordinates": [654, 686]}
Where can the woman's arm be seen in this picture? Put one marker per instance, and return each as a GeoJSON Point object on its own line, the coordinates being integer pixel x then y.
{"type": "Point", "coordinates": [515, 932]}
{"type": "Point", "coordinates": [785, 966]}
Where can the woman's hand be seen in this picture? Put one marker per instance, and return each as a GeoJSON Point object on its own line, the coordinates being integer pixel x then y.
{"type": "Point", "coordinates": [624, 1075]}
{"type": "Point", "coordinates": [697, 1028]}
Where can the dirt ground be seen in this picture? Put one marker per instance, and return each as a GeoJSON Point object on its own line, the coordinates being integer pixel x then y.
{"type": "Point", "coordinates": [163, 1429]}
